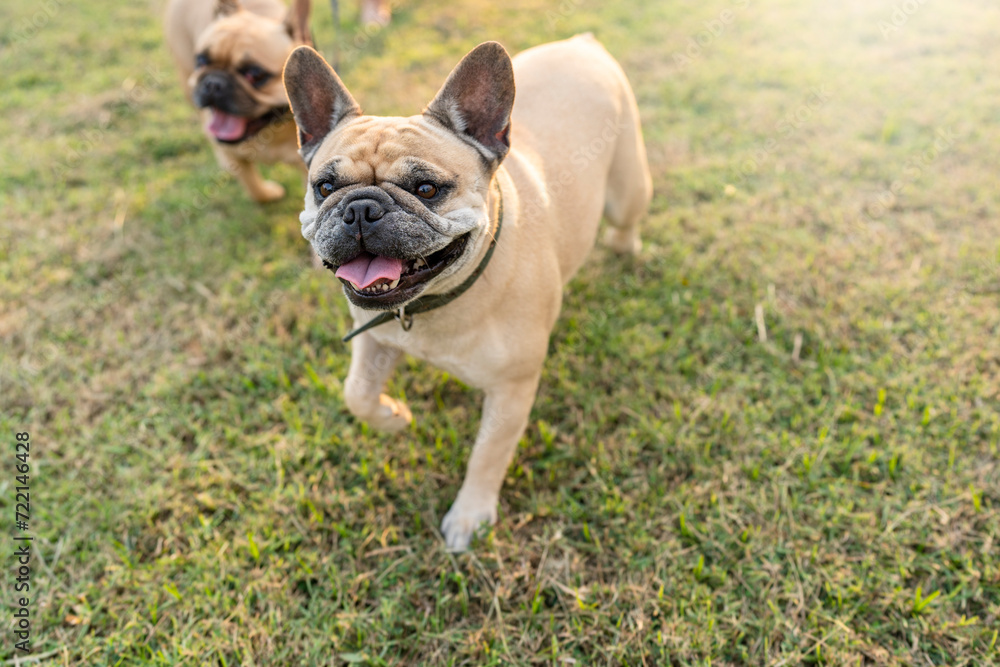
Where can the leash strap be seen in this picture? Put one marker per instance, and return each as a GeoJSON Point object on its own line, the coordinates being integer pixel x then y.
{"type": "Point", "coordinates": [425, 303]}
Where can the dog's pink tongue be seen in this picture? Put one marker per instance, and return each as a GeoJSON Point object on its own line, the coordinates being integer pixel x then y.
{"type": "Point", "coordinates": [226, 126]}
{"type": "Point", "coordinates": [365, 269]}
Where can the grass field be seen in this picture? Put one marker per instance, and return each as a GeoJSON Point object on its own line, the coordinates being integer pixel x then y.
{"type": "Point", "coordinates": [772, 440]}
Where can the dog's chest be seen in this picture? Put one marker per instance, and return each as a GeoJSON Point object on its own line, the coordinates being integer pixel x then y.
{"type": "Point", "coordinates": [442, 342]}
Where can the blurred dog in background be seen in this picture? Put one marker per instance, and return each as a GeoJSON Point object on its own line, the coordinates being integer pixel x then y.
{"type": "Point", "coordinates": [230, 54]}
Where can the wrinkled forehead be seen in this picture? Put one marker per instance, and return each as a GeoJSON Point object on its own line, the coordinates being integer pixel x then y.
{"type": "Point", "coordinates": [374, 148]}
{"type": "Point", "coordinates": [245, 38]}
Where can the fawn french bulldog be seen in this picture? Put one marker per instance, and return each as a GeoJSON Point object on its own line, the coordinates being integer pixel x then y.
{"type": "Point", "coordinates": [465, 222]}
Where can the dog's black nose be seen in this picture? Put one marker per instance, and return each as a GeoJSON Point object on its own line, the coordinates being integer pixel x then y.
{"type": "Point", "coordinates": [363, 211]}
{"type": "Point", "coordinates": [213, 89]}
{"type": "Point", "coordinates": [212, 86]}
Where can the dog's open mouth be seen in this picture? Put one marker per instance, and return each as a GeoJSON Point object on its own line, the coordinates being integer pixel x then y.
{"type": "Point", "coordinates": [380, 282]}
{"type": "Point", "coordinates": [228, 128]}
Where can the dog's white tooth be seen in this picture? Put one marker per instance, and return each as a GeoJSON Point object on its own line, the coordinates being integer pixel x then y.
{"type": "Point", "coordinates": [394, 284]}
{"type": "Point", "coordinates": [419, 263]}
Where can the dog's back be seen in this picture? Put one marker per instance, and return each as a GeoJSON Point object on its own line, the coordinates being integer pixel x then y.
{"type": "Point", "coordinates": [575, 119]}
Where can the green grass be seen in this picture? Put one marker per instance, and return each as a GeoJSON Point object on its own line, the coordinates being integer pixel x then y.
{"type": "Point", "coordinates": [689, 492]}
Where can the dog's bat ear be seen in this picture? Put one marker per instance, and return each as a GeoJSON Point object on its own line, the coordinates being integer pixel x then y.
{"type": "Point", "coordinates": [477, 99]}
{"type": "Point", "coordinates": [297, 22]}
{"type": "Point", "coordinates": [227, 7]}
{"type": "Point", "coordinates": [318, 97]}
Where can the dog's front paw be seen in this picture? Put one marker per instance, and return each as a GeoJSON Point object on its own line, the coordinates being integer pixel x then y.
{"type": "Point", "coordinates": [623, 241]}
{"type": "Point", "coordinates": [267, 192]}
{"type": "Point", "coordinates": [391, 416]}
{"type": "Point", "coordinates": [463, 519]}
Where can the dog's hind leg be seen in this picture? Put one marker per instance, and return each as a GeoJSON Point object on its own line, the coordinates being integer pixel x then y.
{"type": "Point", "coordinates": [371, 365]}
{"type": "Point", "coordinates": [629, 188]}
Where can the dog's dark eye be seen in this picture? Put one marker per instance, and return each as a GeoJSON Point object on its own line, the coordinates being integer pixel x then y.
{"type": "Point", "coordinates": [201, 60]}
{"type": "Point", "coordinates": [324, 189]}
{"type": "Point", "coordinates": [257, 76]}
{"type": "Point", "coordinates": [426, 190]}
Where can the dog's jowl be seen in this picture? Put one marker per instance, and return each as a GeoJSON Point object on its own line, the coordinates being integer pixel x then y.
{"type": "Point", "coordinates": [454, 231]}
